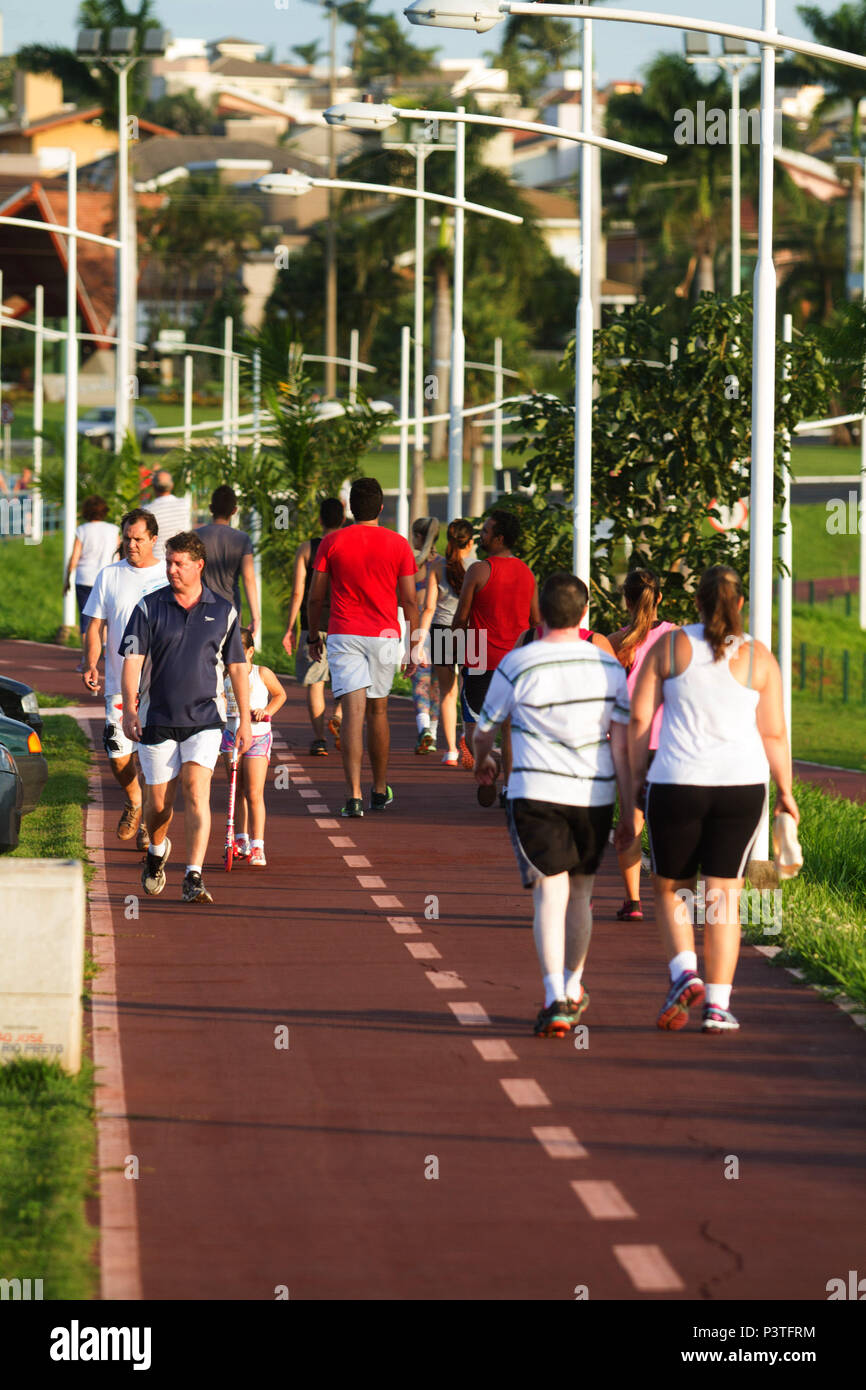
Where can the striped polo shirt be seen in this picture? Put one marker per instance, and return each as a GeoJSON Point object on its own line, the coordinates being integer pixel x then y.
{"type": "Point", "coordinates": [186, 652]}
{"type": "Point", "coordinates": [562, 698]}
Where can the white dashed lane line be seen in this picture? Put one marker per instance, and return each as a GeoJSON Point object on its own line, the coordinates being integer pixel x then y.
{"type": "Point", "coordinates": [422, 950]}
{"type": "Point", "coordinates": [604, 1201]}
{"type": "Point", "coordinates": [356, 861]}
{"type": "Point", "coordinates": [445, 979]}
{"type": "Point", "coordinates": [404, 926]}
{"type": "Point", "coordinates": [386, 900]}
{"type": "Point", "coordinates": [341, 842]}
{"type": "Point", "coordinates": [494, 1050]}
{"type": "Point", "coordinates": [558, 1141]}
{"type": "Point", "coordinates": [648, 1268]}
{"type": "Point", "coordinates": [523, 1091]}
{"type": "Point", "coordinates": [470, 1014]}
{"type": "Point", "coordinates": [371, 881]}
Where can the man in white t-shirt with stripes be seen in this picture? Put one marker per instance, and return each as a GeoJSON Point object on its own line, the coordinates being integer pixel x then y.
{"type": "Point", "coordinates": [569, 708]}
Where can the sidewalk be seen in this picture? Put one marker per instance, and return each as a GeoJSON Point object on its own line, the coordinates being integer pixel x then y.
{"type": "Point", "coordinates": [314, 1166]}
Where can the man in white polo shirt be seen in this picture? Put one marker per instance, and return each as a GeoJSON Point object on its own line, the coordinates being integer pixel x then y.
{"type": "Point", "coordinates": [569, 708]}
{"type": "Point", "coordinates": [114, 595]}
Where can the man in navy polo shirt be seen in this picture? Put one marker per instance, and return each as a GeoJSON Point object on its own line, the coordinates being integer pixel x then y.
{"type": "Point", "coordinates": [178, 646]}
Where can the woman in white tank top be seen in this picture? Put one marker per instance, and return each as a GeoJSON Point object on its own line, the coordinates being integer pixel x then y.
{"type": "Point", "coordinates": [722, 735]}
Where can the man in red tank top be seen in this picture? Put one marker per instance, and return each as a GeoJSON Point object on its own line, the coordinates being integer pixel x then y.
{"type": "Point", "coordinates": [498, 601]}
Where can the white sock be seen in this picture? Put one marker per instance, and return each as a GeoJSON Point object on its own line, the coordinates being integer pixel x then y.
{"type": "Point", "coordinates": [158, 850]}
{"type": "Point", "coordinates": [422, 722]}
{"type": "Point", "coordinates": [193, 868]}
{"type": "Point", "coordinates": [243, 837]}
{"type": "Point", "coordinates": [554, 988]}
{"type": "Point", "coordinates": [434, 727]}
{"type": "Point", "coordinates": [257, 844]}
{"type": "Point", "coordinates": [548, 929]}
{"type": "Point", "coordinates": [719, 996]}
{"type": "Point", "coordinates": [686, 960]}
{"type": "Point", "coordinates": [578, 930]}
{"type": "Point", "coordinates": [452, 757]}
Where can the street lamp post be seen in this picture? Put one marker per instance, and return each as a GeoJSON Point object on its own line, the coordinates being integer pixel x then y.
{"type": "Point", "coordinates": [116, 48]}
{"type": "Point", "coordinates": [70, 454]}
{"type": "Point", "coordinates": [732, 60]}
{"type": "Point", "coordinates": [370, 116]}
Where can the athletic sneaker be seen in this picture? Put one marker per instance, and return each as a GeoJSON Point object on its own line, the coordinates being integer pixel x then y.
{"type": "Point", "coordinates": [466, 758]}
{"type": "Point", "coordinates": [353, 807]}
{"type": "Point", "coordinates": [577, 1007]}
{"type": "Point", "coordinates": [319, 748]}
{"type": "Point", "coordinates": [257, 857]}
{"type": "Point", "coordinates": [451, 760]}
{"type": "Point", "coordinates": [379, 800]}
{"type": "Point", "coordinates": [241, 849]}
{"type": "Point", "coordinates": [129, 821]}
{"type": "Point", "coordinates": [718, 1020]}
{"type": "Point", "coordinates": [142, 839]}
{"type": "Point", "coordinates": [426, 742]}
{"type": "Point", "coordinates": [554, 1021]}
{"type": "Point", "coordinates": [194, 890]}
{"type": "Point", "coordinates": [630, 911]}
{"type": "Point", "coordinates": [153, 873]}
{"type": "Point", "coordinates": [688, 989]}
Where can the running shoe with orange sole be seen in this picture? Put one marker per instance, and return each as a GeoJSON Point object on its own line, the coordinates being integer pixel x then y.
{"type": "Point", "coordinates": [466, 759]}
{"type": "Point", "coordinates": [554, 1021]}
{"type": "Point", "coordinates": [685, 991]}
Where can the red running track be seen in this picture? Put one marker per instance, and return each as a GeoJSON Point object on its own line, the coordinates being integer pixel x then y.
{"type": "Point", "coordinates": [558, 1167]}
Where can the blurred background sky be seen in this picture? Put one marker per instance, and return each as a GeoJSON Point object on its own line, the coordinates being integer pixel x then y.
{"type": "Point", "coordinates": [621, 50]}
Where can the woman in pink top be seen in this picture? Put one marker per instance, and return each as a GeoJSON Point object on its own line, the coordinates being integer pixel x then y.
{"type": "Point", "coordinates": [642, 593]}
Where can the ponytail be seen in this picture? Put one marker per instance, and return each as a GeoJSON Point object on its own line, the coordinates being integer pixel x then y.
{"type": "Point", "coordinates": [459, 535]}
{"type": "Point", "coordinates": [718, 596]}
{"type": "Point", "coordinates": [641, 592]}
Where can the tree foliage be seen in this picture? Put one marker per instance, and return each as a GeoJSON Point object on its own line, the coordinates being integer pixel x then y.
{"type": "Point", "coordinates": [671, 445]}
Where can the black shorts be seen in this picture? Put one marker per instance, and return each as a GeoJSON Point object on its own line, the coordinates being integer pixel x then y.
{"type": "Point", "coordinates": [550, 838]}
{"type": "Point", "coordinates": [475, 687]}
{"type": "Point", "coordinates": [444, 646]}
{"type": "Point", "coordinates": [711, 828]}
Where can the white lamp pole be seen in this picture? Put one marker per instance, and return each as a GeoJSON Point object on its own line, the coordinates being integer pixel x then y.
{"type": "Point", "coordinates": [227, 381]}
{"type": "Point", "coordinates": [70, 472]}
{"type": "Point", "coordinates": [736, 274]}
{"type": "Point", "coordinates": [354, 353]}
{"type": "Point", "coordinates": [403, 471]}
{"type": "Point", "coordinates": [786, 548]}
{"type": "Point", "coordinates": [582, 501]}
{"type": "Point", "coordinates": [420, 159]}
{"type": "Point", "coordinates": [121, 397]}
{"type": "Point", "coordinates": [862, 513]}
{"type": "Point", "coordinates": [38, 413]}
{"type": "Point", "coordinates": [187, 400]}
{"type": "Point", "coordinates": [257, 520]}
{"type": "Point", "coordinates": [457, 384]}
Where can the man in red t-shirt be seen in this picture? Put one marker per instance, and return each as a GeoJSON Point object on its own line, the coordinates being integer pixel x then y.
{"type": "Point", "coordinates": [498, 601]}
{"type": "Point", "coordinates": [370, 568]}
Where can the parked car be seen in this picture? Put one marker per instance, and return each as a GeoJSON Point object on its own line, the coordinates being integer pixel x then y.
{"type": "Point", "coordinates": [97, 425]}
{"type": "Point", "coordinates": [11, 801]}
{"type": "Point", "coordinates": [25, 746]}
{"type": "Point", "coordinates": [19, 701]}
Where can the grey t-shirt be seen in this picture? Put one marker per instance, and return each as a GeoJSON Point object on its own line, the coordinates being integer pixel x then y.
{"type": "Point", "coordinates": [225, 548]}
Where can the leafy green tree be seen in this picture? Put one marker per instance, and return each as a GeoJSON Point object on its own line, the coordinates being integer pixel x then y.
{"type": "Point", "coordinates": [387, 52]}
{"type": "Point", "coordinates": [681, 209]}
{"type": "Point", "coordinates": [183, 113]}
{"type": "Point", "coordinates": [309, 53]}
{"type": "Point", "coordinates": [531, 49]}
{"type": "Point", "coordinates": [671, 445]}
{"type": "Point", "coordinates": [845, 28]}
{"type": "Point", "coordinates": [96, 83]}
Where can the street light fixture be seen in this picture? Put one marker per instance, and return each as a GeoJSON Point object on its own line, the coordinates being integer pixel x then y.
{"type": "Point", "coordinates": [734, 58]}
{"type": "Point", "coordinates": [117, 49]}
{"type": "Point", "coordinates": [378, 116]}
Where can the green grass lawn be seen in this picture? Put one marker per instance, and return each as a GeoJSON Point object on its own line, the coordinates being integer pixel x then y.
{"type": "Point", "coordinates": [47, 1137]}
{"type": "Point", "coordinates": [817, 553]}
{"type": "Point", "coordinates": [55, 829]}
{"type": "Point", "coordinates": [825, 460]}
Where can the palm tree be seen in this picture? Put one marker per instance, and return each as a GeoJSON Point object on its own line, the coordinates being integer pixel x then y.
{"type": "Point", "coordinates": [531, 48]}
{"type": "Point", "coordinates": [846, 29]}
{"type": "Point", "coordinates": [309, 53]}
{"type": "Point", "coordinates": [96, 83]}
{"type": "Point", "coordinates": [388, 53]}
{"type": "Point", "coordinates": [681, 206]}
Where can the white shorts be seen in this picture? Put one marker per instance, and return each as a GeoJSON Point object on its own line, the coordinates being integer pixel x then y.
{"type": "Point", "coordinates": [363, 663]}
{"type": "Point", "coordinates": [161, 762]}
{"type": "Point", "coordinates": [114, 740]}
